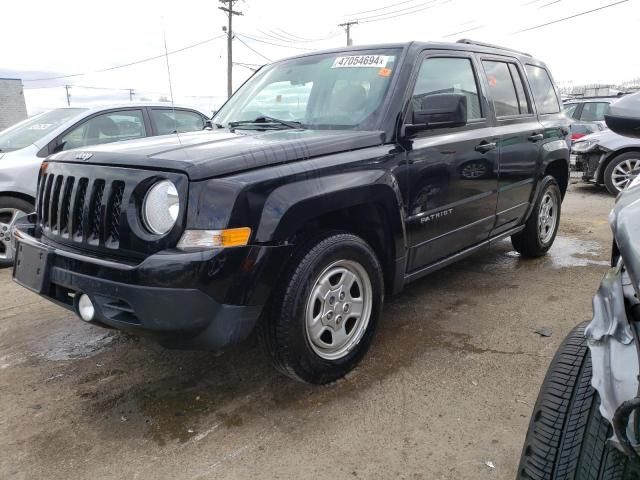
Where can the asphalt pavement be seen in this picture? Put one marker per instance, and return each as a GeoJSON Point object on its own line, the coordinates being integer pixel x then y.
{"type": "Point", "coordinates": [445, 392]}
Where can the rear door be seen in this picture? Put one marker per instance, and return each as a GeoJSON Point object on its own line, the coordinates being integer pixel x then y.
{"type": "Point", "coordinates": [520, 136]}
{"type": "Point", "coordinates": [452, 184]}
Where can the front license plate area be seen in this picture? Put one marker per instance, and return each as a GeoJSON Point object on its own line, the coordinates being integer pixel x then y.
{"type": "Point", "coordinates": [31, 267]}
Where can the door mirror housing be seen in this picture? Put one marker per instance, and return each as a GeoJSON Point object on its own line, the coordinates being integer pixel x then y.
{"type": "Point", "coordinates": [623, 116]}
{"type": "Point", "coordinates": [441, 110]}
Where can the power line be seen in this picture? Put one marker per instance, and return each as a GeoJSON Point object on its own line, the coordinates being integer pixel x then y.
{"type": "Point", "coordinates": [406, 13]}
{"type": "Point", "coordinates": [412, 7]}
{"type": "Point", "coordinates": [252, 49]}
{"type": "Point", "coordinates": [572, 16]}
{"type": "Point", "coordinates": [249, 37]}
{"type": "Point", "coordinates": [137, 62]}
{"type": "Point", "coordinates": [553, 2]}
{"type": "Point", "coordinates": [273, 34]}
{"type": "Point", "coordinates": [378, 9]}
{"type": "Point", "coordinates": [465, 31]}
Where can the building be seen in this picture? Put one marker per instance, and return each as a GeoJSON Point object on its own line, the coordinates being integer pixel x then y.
{"type": "Point", "coordinates": [12, 105]}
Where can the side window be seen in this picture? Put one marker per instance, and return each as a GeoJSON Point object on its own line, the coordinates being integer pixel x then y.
{"type": "Point", "coordinates": [106, 128]}
{"type": "Point", "coordinates": [183, 121]}
{"type": "Point", "coordinates": [505, 89]}
{"type": "Point", "coordinates": [593, 111]}
{"type": "Point", "coordinates": [448, 75]}
{"type": "Point", "coordinates": [543, 91]}
{"type": "Point", "coordinates": [570, 110]}
{"type": "Point", "coordinates": [523, 103]}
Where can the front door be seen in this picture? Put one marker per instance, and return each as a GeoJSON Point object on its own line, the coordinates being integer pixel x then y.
{"type": "Point", "coordinates": [452, 172]}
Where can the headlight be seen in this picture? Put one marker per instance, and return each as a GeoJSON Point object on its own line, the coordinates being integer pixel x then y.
{"type": "Point", "coordinates": [161, 207]}
{"type": "Point", "coordinates": [584, 146]}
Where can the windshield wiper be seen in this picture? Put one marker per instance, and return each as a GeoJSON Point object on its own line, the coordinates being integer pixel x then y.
{"type": "Point", "coordinates": [266, 120]}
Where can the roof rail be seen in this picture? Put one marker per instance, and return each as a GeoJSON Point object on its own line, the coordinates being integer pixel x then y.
{"type": "Point", "coordinates": [490, 45]}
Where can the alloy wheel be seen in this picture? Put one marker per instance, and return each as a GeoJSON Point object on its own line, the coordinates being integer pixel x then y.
{"type": "Point", "coordinates": [547, 218]}
{"type": "Point", "coordinates": [338, 309]}
{"type": "Point", "coordinates": [8, 216]}
{"type": "Point", "coordinates": [624, 173]}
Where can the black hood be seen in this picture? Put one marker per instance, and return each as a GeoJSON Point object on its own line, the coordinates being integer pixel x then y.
{"type": "Point", "coordinates": [214, 153]}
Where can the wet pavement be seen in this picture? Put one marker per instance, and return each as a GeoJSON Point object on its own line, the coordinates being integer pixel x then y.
{"type": "Point", "coordinates": [448, 385]}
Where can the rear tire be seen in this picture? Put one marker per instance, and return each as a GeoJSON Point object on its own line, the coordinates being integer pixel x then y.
{"type": "Point", "coordinates": [312, 330]}
{"type": "Point", "coordinates": [8, 206]}
{"type": "Point", "coordinates": [541, 227]}
{"type": "Point", "coordinates": [567, 436]}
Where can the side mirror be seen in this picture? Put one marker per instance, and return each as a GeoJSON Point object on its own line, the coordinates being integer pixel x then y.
{"type": "Point", "coordinates": [439, 111]}
{"type": "Point", "coordinates": [208, 125]}
{"type": "Point", "coordinates": [623, 116]}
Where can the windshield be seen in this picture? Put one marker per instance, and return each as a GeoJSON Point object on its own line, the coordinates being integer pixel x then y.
{"type": "Point", "coordinates": [337, 91]}
{"type": "Point", "coordinates": [33, 129]}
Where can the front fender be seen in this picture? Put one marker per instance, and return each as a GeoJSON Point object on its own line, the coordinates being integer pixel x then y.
{"type": "Point", "coordinates": [290, 206]}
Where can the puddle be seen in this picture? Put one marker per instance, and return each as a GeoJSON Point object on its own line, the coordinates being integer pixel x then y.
{"type": "Point", "coordinates": [566, 252]}
{"type": "Point", "coordinates": [75, 343]}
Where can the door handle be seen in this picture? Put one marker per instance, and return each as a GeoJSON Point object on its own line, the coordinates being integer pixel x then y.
{"type": "Point", "coordinates": [485, 147]}
{"type": "Point", "coordinates": [536, 137]}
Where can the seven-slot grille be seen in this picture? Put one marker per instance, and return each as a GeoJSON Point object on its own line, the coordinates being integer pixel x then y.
{"type": "Point", "coordinates": [81, 209]}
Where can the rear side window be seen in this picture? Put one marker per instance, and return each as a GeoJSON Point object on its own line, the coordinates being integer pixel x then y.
{"type": "Point", "coordinates": [448, 75]}
{"type": "Point", "coordinates": [523, 103]}
{"type": "Point", "coordinates": [505, 88]}
{"type": "Point", "coordinates": [593, 111]}
{"type": "Point", "coordinates": [183, 121]}
{"type": "Point", "coordinates": [543, 91]}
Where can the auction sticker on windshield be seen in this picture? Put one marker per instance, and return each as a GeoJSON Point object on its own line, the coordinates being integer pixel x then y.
{"type": "Point", "coordinates": [374, 61]}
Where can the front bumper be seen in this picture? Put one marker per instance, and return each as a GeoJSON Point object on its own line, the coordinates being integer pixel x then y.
{"type": "Point", "coordinates": [204, 300]}
{"type": "Point", "coordinates": [587, 163]}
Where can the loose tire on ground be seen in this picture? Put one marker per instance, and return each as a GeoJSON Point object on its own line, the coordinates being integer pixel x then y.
{"type": "Point", "coordinates": [567, 435]}
{"type": "Point", "coordinates": [616, 171]}
{"type": "Point", "coordinates": [294, 347]}
{"type": "Point", "coordinates": [8, 205]}
{"type": "Point", "coordinates": [540, 230]}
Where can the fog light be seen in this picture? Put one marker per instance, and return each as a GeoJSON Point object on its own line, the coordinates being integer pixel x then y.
{"type": "Point", "coordinates": [85, 308]}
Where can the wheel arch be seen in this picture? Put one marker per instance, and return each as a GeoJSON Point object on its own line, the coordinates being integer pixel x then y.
{"type": "Point", "coordinates": [609, 158]}
{"type": "Point", "coordinates": [21, 196]}
{"type": "Point", "coordinates": [558, 168]}
{"type": "Point", "coordinates": [367, 204]}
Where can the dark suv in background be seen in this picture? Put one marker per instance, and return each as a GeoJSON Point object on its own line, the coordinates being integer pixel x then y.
{"type": "Point", "coordinates": [331, 180]}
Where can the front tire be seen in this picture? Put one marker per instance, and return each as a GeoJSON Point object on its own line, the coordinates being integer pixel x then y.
{"type": "Point", "coordinates": [619, 171]}
{"type": "Point", "coordinates": [325, 309]}
{"type": "Point", "coordinates": [567, 436]}
{"type": "Point", "coordinates": [10, 209]}
{"type": "Point", "coordinates": [542, 225]}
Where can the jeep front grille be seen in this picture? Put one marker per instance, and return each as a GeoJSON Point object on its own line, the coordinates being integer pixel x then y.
{"type": "Point", "coordinates": [96, 208]}
{"type": "Point", "coordinates": [76, 210]}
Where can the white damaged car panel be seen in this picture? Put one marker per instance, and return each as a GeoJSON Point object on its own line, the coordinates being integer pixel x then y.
{"type": "Point", "coordinates": [612, 341]}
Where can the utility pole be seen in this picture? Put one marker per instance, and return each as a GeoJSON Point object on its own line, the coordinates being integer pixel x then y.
{"type": "Point", "coordinates": [347, 27]}
{"type": "Point", "coordinates": [228, 8]}
{"type": "Point", "coordinates": [67, 87]}
{"type": "Point", "coordinates": [131, 92]}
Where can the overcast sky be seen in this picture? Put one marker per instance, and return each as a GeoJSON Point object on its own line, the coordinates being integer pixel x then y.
{"type": "Point", "coordinates": [43, 39]}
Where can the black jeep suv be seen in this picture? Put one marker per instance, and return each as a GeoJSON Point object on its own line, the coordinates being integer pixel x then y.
{"type": "Point", "coordinates": [328, 181]}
